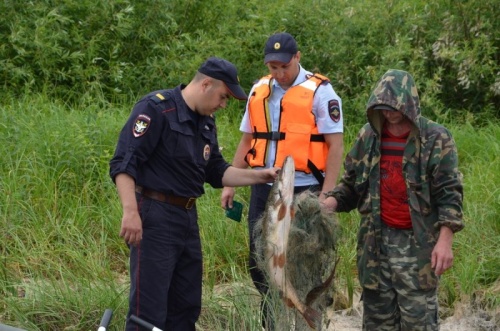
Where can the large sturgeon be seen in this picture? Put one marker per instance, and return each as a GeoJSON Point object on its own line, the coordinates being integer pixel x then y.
{"type": "Point", "coordinates": [276, 225]}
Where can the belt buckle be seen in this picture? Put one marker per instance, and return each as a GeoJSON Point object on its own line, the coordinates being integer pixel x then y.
{"type": "Point", "coordinates": [190, 203]}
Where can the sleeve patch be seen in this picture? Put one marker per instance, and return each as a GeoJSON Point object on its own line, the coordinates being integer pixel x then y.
{"type": "Point", "coordinates": [334, 110]}
{"type": "Point", "coordinates": [141, 125]}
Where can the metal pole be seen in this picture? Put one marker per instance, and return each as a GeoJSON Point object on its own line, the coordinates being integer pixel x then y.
{"type": "Point", "coordinates": [106, 318]}
{"type": "Point", "coordinates": [143, 323]}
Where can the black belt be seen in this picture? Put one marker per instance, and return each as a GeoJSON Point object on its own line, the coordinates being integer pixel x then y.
{"type": "Point", "coordinates": [184, 202]}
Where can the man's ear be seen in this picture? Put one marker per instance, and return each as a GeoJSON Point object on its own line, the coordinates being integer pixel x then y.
{"type": "Point", "coordinates": [298, 56]}
{"type": "Point", "coordinates": [206, 83]}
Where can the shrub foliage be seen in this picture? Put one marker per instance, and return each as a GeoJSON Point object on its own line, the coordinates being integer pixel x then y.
{"type": "Point", "coordinates": [108, 50]}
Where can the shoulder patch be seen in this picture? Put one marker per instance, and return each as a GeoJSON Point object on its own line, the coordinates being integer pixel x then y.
{"type": "Point", "coordinates": [141, 125]}
{"type": "Point", "coordinates": [159, 97]}
{"type": "Point", "coordinates": [334, 110]}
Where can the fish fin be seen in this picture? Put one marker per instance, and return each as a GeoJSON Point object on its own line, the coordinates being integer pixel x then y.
{"type": "Point", "coordinates": [282, 212]}
{"type": "Point", "coordinates": [289, 303]}
{"type": "Point", "coordinates": [316, 292]}
{"type": "Point", "coordinates": [312, 317]}
{"type": "Point", "coordinates": [279, 261]}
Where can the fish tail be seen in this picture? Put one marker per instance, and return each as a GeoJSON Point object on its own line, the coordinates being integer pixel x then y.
{"type": "Point", "coordinates": [315, 292]}
{"type": "Point", "coordinates": [312, 317]}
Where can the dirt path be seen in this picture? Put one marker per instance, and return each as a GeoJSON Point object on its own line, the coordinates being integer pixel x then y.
{"type": "Point", "coordinates": [464, 319]}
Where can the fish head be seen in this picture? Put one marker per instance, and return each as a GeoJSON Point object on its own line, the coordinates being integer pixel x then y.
{"type": "Point", "coordinates": [282, 190]}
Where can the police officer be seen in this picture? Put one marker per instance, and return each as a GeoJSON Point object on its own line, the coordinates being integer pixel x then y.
{"type": "Point", "coordinates": [291, 111]}
{"type": "Point", "coordinates": [166, 151]}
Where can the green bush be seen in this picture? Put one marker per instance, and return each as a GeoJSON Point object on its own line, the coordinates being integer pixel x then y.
{"type": "Point", "coordinates": [94, 51]}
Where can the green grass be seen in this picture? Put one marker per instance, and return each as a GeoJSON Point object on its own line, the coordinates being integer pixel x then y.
{"type": "Point", "coordinates": [62, 262]}
{"type": "Point", "coordinates": [477, 253]}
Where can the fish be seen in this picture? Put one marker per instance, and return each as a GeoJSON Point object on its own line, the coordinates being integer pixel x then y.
{"type": "Point", "coordinates": [277, 221]}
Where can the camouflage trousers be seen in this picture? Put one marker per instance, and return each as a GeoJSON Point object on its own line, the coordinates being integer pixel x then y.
{"type": "Point", "coordinates": [399, 304]}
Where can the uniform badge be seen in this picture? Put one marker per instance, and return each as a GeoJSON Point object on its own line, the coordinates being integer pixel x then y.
{"type": "Point", "coordinates": [206, 152]}
{"type": "Point", "coordinates": [141, 125]}
{"type": "Point", "coordinates": [334, 110]}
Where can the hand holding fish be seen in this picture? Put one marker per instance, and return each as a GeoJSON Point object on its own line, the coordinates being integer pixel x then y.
{"type": "Point", "coordinates": [242, 177]}
{"type": "Point", "coordinates": [269, 175]}
{"type": "Point", "coordinates": [328, 202]}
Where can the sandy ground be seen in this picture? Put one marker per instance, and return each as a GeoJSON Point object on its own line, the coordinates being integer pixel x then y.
{"type": "Point", "coordinates": [464, 319]}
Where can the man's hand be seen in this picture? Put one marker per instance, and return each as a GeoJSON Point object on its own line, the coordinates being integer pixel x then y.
{"type": "Point", "coordinates": [227, 196]}
{"type": "Point", "coordinates": [442, 254]}
{"type": "Point", "coordinates": [329, 204]}
{"type": "Point", "coordinates": [269, 175]}
{"type": "Point", "coordinates": [131, 230]}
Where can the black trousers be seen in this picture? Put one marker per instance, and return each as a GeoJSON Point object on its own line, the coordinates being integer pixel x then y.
{"type": "Point", "coordinates": [166, 268]}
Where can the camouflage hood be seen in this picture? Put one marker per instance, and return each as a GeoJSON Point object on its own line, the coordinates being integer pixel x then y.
{"type": "Point", "coordinates": [398, 90]}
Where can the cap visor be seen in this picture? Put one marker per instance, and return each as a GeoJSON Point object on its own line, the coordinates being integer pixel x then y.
{"type": "Point", "coordinates": [278, 57]}
{"type": "Point", "coordinates": [384, 107]}
{"type": "Point", "coordinates": [236, 91]}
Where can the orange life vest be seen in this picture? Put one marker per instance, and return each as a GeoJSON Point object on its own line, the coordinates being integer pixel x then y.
{"type": "Point", "coordinates": [298, 133]}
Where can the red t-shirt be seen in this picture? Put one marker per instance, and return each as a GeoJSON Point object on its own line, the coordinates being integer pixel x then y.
{"type": "Point", "coordinates": [394, 207]}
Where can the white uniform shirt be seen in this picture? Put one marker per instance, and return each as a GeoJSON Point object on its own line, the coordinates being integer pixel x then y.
{"type": "Point", "coordinates": [324, 94]}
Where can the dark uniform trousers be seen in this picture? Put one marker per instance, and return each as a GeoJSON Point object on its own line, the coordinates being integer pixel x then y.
{"type": "Point", "coordinates": [170, 254]}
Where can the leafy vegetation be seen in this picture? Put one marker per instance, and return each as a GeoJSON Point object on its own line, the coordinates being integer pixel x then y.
{"type": "Point", "coordinates": [90, 51]}
{"type": "Point", "coordinates": [71, 70]}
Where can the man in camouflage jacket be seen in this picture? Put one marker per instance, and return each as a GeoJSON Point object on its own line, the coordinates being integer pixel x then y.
{"type": "Point", "coordinates": [399, 268]}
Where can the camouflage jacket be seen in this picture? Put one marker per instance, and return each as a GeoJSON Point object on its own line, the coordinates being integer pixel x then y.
{"type": "Point", "coordinates": [430, 169]}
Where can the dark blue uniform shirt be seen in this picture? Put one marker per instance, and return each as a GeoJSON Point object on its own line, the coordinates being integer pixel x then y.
{"type": "Point", "coordinates": [167, 147]}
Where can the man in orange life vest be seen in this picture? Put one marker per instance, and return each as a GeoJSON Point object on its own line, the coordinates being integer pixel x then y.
{"type": "Point", "coordinates": [294, 112]}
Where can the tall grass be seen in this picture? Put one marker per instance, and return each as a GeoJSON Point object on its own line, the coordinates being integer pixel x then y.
{"type": "Point", "coordinates": [62, 262]}
{"type": "Point", "coordinates": [57, 242]}
{"type": "Point", "coordinates": [477, 263]}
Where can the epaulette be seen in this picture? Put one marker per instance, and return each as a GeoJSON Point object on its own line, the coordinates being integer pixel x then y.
{"type": "Point", "coordinates": [160, 97]}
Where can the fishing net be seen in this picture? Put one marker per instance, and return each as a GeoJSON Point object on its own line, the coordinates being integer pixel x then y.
{"type": "Point", "coordinates": [311, 259]}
